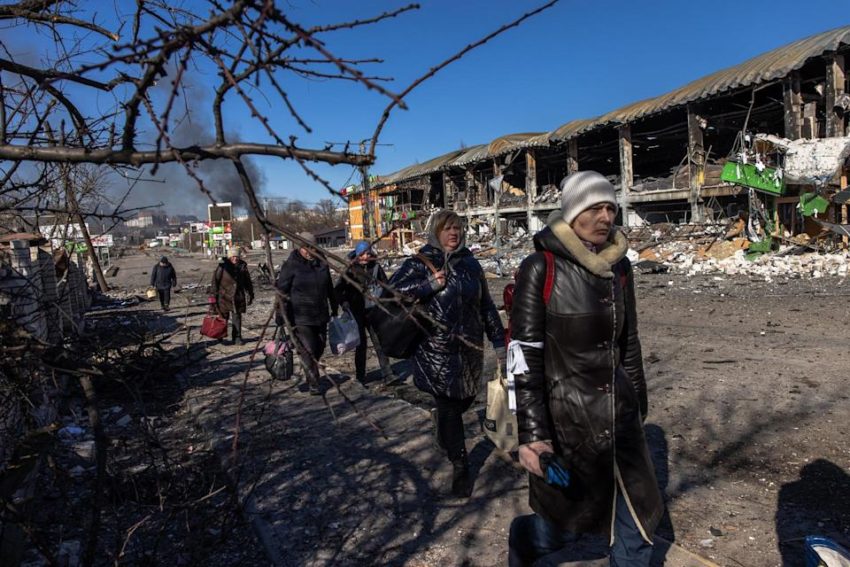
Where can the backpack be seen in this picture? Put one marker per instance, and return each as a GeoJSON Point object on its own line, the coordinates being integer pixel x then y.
{"type": "Point", "coordinates": [508, 292]}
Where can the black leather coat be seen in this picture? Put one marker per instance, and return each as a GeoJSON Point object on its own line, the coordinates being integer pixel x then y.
{"type": "Point", "coordinates": [308, 288]}
{"type": "Point", "coordinates": [449, 361]}
{"type": "Point", "coordinates": [585, 391]}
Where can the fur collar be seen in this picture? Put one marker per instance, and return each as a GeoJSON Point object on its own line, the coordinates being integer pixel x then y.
{"type": "Point", "coordinates": [600, 263]}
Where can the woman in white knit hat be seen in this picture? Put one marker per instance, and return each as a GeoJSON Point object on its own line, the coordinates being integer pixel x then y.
{"type": "Point", "coordinates": [582, 402]}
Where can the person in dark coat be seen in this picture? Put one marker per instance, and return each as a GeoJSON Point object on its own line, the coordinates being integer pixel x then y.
{"type": "Point", "coordinates": [582, 403]}
{"type": "Point", "coordinates": [307, 292]}
{"type": "Point", "coordinates": [163, 278]}
{"type": "Point", "coordinates": [448, 363]}
{"type": "Point", "coordinates": [233, 290]}
{"type": "Point", "coordinates": [363, 275]}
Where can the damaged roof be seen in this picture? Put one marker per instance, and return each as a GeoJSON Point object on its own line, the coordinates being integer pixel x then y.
{"type": "Point", "coordinates": [496, 148]}
{"type": "Point", "coordinates": [760, 69]}
{"type": "Point", "coordinates": [501, 146]}
{"type": "Point", "coordinates": [418, 170]}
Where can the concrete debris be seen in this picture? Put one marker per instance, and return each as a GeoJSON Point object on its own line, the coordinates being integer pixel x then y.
{"type": "Point", "coordinates": [682, 249]}
{"type": "Point", "coordinates": [811, 161]}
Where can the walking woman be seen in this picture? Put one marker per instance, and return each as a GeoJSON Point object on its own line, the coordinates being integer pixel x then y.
{"type": "Point", "coordinates": [356, 291]}
{"type": "Point", "coordinates": [448, 363]}
{"type": "Point", "coordinates": [307, 289]}
{"type": "Point", "coordinates": [582, 403]}
{"type": "Point", "coordinates": [233, 290]}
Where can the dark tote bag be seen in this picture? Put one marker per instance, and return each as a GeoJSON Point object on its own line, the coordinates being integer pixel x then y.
{"type": "Point", "coordinates": [399, 331]}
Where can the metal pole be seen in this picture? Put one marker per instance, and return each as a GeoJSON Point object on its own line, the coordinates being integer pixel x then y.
{"type": "Point", "coordinates": [369, 228]}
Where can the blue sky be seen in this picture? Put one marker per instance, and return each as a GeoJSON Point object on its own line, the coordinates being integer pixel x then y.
{"type": "Point", "coordinates": [576, 60]}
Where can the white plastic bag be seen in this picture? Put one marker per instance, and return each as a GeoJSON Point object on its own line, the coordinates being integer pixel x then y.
{"type": "Point", "coordinates": [500, 423]}
{"type": "Point", "coordinates": [343, 333]}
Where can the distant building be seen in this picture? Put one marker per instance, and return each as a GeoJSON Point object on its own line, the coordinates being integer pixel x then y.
{"type": "Point", "coordinates": [147, 218]}
{"type": "Point", "coordinates": [330, 237]}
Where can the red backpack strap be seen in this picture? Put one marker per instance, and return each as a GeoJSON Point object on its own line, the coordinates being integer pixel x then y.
{"type": "Point", "coordinates": [550, 276]}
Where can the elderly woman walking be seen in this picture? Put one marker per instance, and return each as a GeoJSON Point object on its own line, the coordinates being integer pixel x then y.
{"type": "Point", "coordinates": [448, 363]}
{"type": "Point", "coordinates": [582, 403]}
{"type": "Point", "coordinates": [233, 290]}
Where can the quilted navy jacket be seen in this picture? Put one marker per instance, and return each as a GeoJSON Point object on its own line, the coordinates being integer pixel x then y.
{"type": "Point", "coordinates": [449, 361]}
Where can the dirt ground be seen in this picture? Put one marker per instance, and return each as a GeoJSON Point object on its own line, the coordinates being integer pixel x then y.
{"type": "Point", "coordinates": [748, 424]}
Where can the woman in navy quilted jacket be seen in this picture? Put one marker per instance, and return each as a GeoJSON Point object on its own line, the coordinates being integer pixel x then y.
{"type": "Point", "coordinates": [447, 364]}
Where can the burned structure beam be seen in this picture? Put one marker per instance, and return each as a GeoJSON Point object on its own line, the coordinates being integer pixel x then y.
{"type": "Point", "coordinates": [530, 184]}
{"type": "Point", "coordinates": [793, 102]}
{"type": "Point", "coordinates": [572, 156]}
{"type": "Point", "coordinates": [834, 100]}
{"type": "Point", "coordinates": [626, 169]}
{"type": "Point", "coordinates": [696, 163]}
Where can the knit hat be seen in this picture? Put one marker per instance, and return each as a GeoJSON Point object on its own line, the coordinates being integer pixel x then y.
{"type": "Point", "coordinates": [309, 237]}
{"type": "Point", "coordinates": [582, 190]}
{"type": "Point", "coordinates": [362, 247]}
{"type": "Point", "coordinates": [164, 259]}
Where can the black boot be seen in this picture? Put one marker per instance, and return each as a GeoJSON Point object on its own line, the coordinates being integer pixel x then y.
{"type": "Point", "coordinates": [436, 432]}
{"type": "Point", "coordinates": [461, 482]}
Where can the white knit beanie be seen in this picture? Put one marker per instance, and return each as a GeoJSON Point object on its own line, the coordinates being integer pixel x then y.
{"type": "Point", "coordinates": [582, 190]}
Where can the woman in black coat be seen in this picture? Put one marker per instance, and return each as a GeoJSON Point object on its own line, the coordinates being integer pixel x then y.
{"type": "Point", "coordinates": [582, 402]}
{"type": "Point", "coordinates": [448, 362]}
{"type": "Point", "coordinates": [305, 284]}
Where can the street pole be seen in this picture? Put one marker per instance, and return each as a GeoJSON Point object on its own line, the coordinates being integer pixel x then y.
{"type": "Point", "coordinates": [369, 228]}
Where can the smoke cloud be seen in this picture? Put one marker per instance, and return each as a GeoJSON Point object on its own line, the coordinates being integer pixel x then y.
{"type": "Point", "coordinates": [172, 186]}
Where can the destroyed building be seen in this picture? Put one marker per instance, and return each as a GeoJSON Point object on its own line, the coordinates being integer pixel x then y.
{"type": "Point", "coordinates": [717, 148]}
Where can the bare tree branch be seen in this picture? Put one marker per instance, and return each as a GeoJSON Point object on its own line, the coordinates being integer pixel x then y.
{"type": "Point", "coordinates": [137, 158]}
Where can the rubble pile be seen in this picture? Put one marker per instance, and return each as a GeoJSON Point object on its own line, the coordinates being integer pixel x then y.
{"type": "Point", "coordinates": [685, 249]}
{"type": "Point", "coordinates": [694, 250]}
{"type": "Point", "coordinates": [768, 266]}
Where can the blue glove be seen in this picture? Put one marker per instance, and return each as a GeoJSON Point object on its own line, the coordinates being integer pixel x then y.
{"type": "Point", "coordinates": [554, 470]}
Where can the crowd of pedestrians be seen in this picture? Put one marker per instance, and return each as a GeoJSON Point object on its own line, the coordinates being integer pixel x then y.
{"type": "Point", "coordinates": [574, 354]}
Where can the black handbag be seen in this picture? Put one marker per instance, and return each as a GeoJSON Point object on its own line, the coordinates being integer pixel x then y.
{"type": "Point", "coordinates": [398, 328]}
{"type": "Point", "coordinates": [278, 356]}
